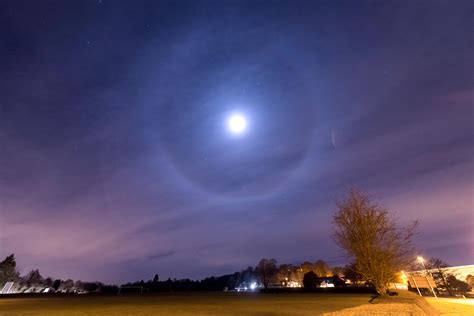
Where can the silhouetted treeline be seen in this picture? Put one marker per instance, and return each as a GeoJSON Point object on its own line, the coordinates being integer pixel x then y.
{"type": "Point", "coordinates": [230, 281]}
{"type": "Point", "coordinates": [266, 274]}
{"type": "Point", "coordinates": [34, 282]}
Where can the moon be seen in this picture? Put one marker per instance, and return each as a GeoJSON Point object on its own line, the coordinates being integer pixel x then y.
{"type": "Point", "coordinates": [237, 123]}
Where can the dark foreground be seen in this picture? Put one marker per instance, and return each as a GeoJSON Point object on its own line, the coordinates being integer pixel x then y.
{"type": "Point", "coordinates": [183, 304]}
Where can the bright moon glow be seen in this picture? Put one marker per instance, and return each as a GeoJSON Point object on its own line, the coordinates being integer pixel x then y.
{"type": "Point", "coordinates": [237, 124]}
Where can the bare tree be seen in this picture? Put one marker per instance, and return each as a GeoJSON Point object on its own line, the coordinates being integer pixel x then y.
{"type": "Point", "coordinates": [322, 269]}
{"type": "Point", "coordinates": [372, 239]}
{"type": "Point", "coordinates": [284, 272]}
{"type": "Point", "coordinates": [267, 270]}
{"type": "Point", "coordinates": [438, 265]}
{"type": "Point", "coordinates": [350, 273]}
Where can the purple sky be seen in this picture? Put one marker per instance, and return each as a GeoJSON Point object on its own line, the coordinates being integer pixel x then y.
{"type": "Point", "coordinates": [116, 164]}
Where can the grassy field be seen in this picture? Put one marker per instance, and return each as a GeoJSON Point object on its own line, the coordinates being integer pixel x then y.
{"type": "Point", "coordinates": [184, 304]}
{"type": "Point", "coordinates": [453, 307]}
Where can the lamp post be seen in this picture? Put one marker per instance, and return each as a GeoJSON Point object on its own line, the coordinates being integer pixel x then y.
{"type": "Point", "coordinates": [422, 261]}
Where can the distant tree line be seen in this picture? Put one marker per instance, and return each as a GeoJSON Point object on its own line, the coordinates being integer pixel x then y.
{"type": "Point", "coordinates": [266, 274]}
{"type": "Point", "coordinates": [181, 285]}
{"type": "Point", "coordinates": [34, 282]}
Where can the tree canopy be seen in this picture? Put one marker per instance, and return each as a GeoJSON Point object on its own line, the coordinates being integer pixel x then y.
{"type": "Point", "coordinates": [372, 239]}
{"type": "Point", "coordinates": [266, 269]}
{"type": "Point", "coordinates": [8, 270]}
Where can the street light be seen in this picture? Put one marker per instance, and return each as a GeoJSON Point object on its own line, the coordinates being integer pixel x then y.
{"type": "Point", "coordinates": [421, 260]}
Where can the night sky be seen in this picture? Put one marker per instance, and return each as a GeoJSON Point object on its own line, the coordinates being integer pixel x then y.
{"type": "Point", "coordinates": [116, 162]}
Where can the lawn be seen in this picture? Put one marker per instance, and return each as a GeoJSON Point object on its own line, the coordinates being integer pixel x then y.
{"type": "Point", "coordinates": [453, 307]}
{"type": "Point", "coordinates": [183, 304]}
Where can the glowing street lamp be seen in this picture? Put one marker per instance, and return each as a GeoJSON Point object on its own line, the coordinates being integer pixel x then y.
{"type": "Point", "coordinates": [422, 261]}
